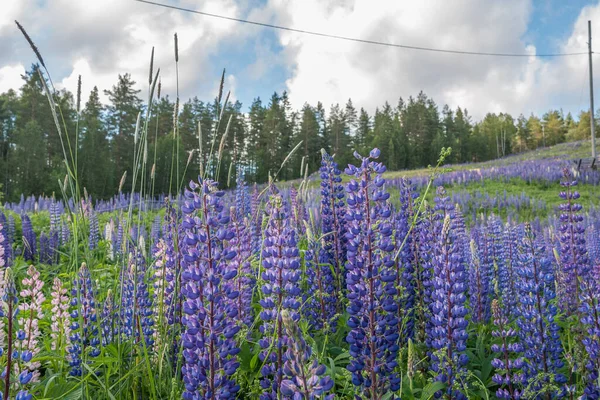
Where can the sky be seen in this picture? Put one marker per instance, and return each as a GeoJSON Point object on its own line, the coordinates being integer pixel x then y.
{"type": "Point", "coordinates": [103, 38]}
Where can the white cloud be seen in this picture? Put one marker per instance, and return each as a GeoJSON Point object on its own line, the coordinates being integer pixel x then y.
{"type": "Point", "coordinates": [332, 71]}
{"type": "Point", "coordinates": [102, 39]}
{"type": "Point", "coordinates": [10, 77]}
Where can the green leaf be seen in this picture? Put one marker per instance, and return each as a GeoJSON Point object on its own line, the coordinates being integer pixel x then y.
{"type": "Point", "coordinates": [254, 361]}
{"type": "Point", "coordinates": [430, 390]}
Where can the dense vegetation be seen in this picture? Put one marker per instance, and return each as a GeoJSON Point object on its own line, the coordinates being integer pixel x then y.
{"type": "Point", "coordinates": [324, 293]}
{"type": "Point", "coordinates": [410, 135]}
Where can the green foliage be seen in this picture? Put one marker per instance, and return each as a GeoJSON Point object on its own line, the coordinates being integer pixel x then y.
{"type": "Point", "coordinates": [410, 135]}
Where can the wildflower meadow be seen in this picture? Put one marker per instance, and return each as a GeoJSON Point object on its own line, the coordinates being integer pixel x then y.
{"type": "Point", "coordinates": [350, 283]}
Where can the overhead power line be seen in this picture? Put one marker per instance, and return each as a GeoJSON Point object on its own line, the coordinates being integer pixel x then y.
{"type": "Point", "coordinates": [358, 40]}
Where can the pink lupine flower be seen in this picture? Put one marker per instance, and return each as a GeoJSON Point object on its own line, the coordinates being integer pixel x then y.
{"type": "Point", "coordinates": [30, 310]}
{"type": "Point", "coordinates": [61, 329]}
{"type": "Point", "coordinates": [2, 293]}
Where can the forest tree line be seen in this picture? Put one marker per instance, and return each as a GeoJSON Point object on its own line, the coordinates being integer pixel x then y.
{"type": "Point", "coordinates": [410, 134]}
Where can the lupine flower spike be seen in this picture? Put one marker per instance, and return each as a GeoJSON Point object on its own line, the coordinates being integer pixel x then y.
{"type": "Point", "coordinates": [281, 290]}
{"type": "Point", "coordinates": [208, 314]}
{"type": "Point", "coordinates": [304, 376]}
{"type": "Point", "coordinates": [371, 277]}
{"type": "Point", "coordinates": [30, 313]}
{"type": "Point", "coordinates": [448, 332]}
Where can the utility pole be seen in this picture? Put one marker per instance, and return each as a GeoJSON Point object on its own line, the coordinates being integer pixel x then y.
{"type": "Point", "coordinates": [592, 122]}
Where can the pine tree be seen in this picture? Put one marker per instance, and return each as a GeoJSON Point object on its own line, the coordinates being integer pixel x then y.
{"type": "Point", "coordinates": [95, 169]}
{"type": "Point", "coordinates": [121, 118]}
{"type": "Point", "coordinates": [363, 132]}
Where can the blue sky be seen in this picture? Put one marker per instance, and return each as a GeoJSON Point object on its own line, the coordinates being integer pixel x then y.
{"type": "Point", "coordinates": [101, 39]}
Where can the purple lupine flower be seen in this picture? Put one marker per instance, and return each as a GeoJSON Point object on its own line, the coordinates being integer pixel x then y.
{"type": "Point", "coordinates": [84, 328]}
{"type": "Point", "coordinates": [448, 332]}
{"type": "Point", "coordinates": [495, 248]}
{"type": "Point", "coordinates": [256, 221]}
{"type": "Point", "coordinates": [281, 290]}
{"type": "Point", "coordinates": [53, 244]}
{"type": "Point", "coordinates": [538, 330]}
{"type": "Point", "coordinates": [94, 231]}
{"type": "Point", "coordinates": [11, 231]}
{"type": "Point", "coordinates": [505, 271]}
{"type": "Point", "coordinates": [406, 268]}
{"type": "Point", "coordinates": [481, 272]}
{"type": "Point", "coordinates": [108, 326]}
{"type": "Point", "coordinates": [512, 237]}
{"type": "Point", "coordinates": [320, 297]}
{"type": "Point", "coordinates": [29, 239]}
{"type": "Point", "coordinates": [54, 212]}
{"type": "Point", "coordinates": [593, 243]}
{"type": "Point", "coordinates": [421, 241]}
{"type": "Point", "coordinates": [573, 253]}
{"type": "Point", "coordinates": [304, 377]}
{"type": "Point", "coordinates": [44, 253]}
{"type": "Point", "coordinates": [136, 308]}
{"type": "Point", "coordinates": [590, 317]}
{"type": "Point", "coordinates": [30, 313]}
{"type": "Point", "coordinates": [208, 340]}
{"type": "Point", "coordinates": [242, 199]}
{"type": "Point", "coordinates": [6, 243]}
{"type": "Point", "coordinates": [171, 268]}
{"type": "Point", "coordinates": [245, 280]}
{"type": "Point", "coordinates": [333, 223]}
{"type": "Point", "coordinates": [509, 363]}
{"type": "Point", "coordinates": [370, 280]}
{"type": "Point", "coordinates": [61, 321]}
{"type": "Point", "coordinates": [479, 287]}
{"type": "Point", "coordinates": [118, 241]}
{"type": "Point", "coordinates": [65, 233]}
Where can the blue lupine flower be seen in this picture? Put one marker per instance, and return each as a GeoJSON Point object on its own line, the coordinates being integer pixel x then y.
{"type": "Point", "coordinates": [256, 222]}
{"type": "Point", "coordinates": [7, 242]}
{"type": "Point", "coordinates": [573, 253]}
{"type": "Point", "coordinates": [208, 338]}
{"type": "Point", "coordinates": [23, 395]}
{"type": "Point", "coordinates": [281, 291]}
{"type": "Point", "coordinates": [304, 377]}
{"type": "Point", "coordinates": [408, 272]}
{"type": "Point", "coordinates": [538, 330]}
{"type": "Point", "coordinates": [333, 223]}
{"type": "Point", "coordinates": [370, 280]}
{"type": "Point", "coordinates": [448, 332]}
{"type": "Point", "coordinates": [29, 239]}
{"type": "Point", "coordinates": [84, 327]}
{"type": "Point", "coordinates": [44, 253]}
{"type": "Point", "coordinates": [505, 270]}
{"type": "Point", "coordinates": [245, 280]}
{"type": "Point", "coordinates": [172, 269]}
{"type": "Point", "coordinates": [590, 312]}
{"type": "Point", "coordinates": [94, 236]}
{"type": "Point", "coordinates": [243, 205]}
{"type": "Point", "coordinates": [497, 258]}
{"type": "Point", "coordinates": [136, 305]}
{"type": "Point", "coordinates": [108, 325]}
{"type": "Point", "coordinates": [480, 278]}
{"type": "Point", "coordinates": [509, 363]}
{"type": "Point", "coordinates": [65, 233]}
